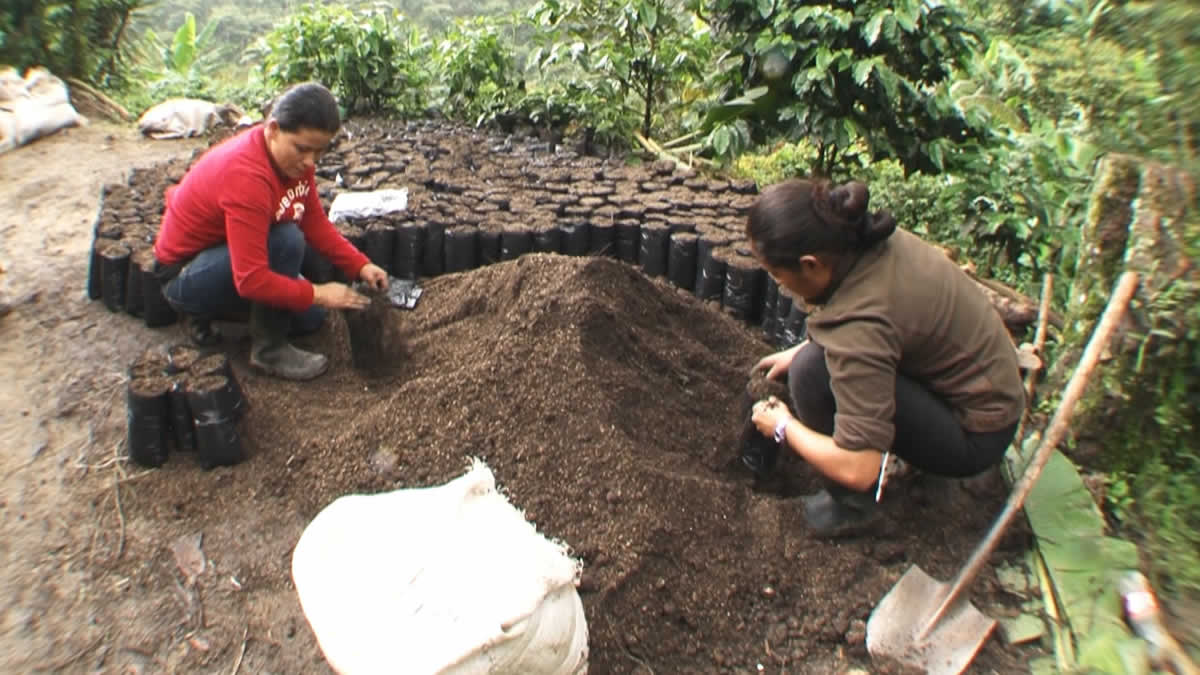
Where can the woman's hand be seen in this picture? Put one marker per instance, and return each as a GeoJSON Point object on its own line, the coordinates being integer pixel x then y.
{"type": "Point", "coordinates": [768, 413]}
{"type": "Point", "coordinates": [339, 296]}
{"type": "Point", "coordinates": [375, 276]}
{"type": "Point", "coordinates": [776, 364]}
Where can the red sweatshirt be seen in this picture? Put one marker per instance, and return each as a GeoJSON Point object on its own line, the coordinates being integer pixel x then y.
{"type": "Point", "coordinates": [234, 194]}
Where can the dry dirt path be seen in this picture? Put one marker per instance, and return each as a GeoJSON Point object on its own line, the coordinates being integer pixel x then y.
{"type": "Point", "coordinates": [60, 363]}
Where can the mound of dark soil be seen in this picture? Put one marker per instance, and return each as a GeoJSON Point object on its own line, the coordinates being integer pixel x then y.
{"type": "Point", "coordinates": [609, 406]}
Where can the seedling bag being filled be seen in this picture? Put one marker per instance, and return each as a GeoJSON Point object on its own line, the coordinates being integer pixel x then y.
{"type": "Point", "coordinates": [447, 579]}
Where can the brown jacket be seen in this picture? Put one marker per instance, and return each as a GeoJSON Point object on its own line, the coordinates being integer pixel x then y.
{"type": "Point", "coordinates": [906, 308]}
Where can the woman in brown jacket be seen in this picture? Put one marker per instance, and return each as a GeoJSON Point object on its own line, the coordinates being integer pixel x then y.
{"type": "Point", "coordinates": [905, 358]}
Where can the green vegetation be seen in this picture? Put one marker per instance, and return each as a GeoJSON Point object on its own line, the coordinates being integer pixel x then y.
{"type": "Point", "coordinates": [977, 122]}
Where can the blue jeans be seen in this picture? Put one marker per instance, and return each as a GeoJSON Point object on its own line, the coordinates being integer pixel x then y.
{"type": "Point", "coordinates": [204, 287]}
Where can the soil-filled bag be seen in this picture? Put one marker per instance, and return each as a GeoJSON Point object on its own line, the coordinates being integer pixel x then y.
{"type": "Point", "coordinates": [183, 429]}
{"type": "Point", "coordinates": [95, 282]}
{"type": "Point", "coordinates": [652, 254]}
{"type": "Point", "coordinates": [218, 364]}
{"type": "Point", "coordinates": [135, 298]}
{"type": "Point", "coordinates": [783, 305]}
{"type": "Point", "coordinates": [743, 287]}
{"type": "Point", "coordinates": [381, 245]}
{"type": "Point", "coordinates": [602, 239]}
{"type": "Point", "coordinates": [410, 250]}
{"type": "Point", "coordinates": [628, 240]}
{"type": "Point", "coordinates": [462, 251]}
{"type": "Point", "coordinates": [515, 243]}
{"type": "Point", "coordinates": [114, 272]}
{"type": "Point", "coordinates": [434, 255]}
{"type": "Point", "coordinates": [710, 271]}
{"type": "Point", "coordinates": [156, 311]}
{"type": "Point", "coordinates": [794, 326]}
{"type": "Point", "coordinates": [374, 344]}
{"type": "Point", "coordinates": [489, 247]}
{"type": "Point", "coordinates": [576, 239]}
{"type": "Point", "coordinates": [449, 579]}
{"type": "Point", "coordinates": [681, 260]}
{"type": "Point", "coordinates": [548, 240]}
{"type": "Point", "coordinates": [770, 321]}
{"type": "Point", "coordinates": [213, 402]}
{"type": "Point", "coordinates": [148, 420]}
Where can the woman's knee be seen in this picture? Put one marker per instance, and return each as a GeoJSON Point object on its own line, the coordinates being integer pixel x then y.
{"type": "Point", "coordinates": [285, 248]}
{"type": "Point", "coordinates": [808, 384]}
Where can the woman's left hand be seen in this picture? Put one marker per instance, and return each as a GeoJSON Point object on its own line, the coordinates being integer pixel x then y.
{"type": "Point", "coordinates": [768, 413]}
{"type": "Point", "coordinates": [374, 276]}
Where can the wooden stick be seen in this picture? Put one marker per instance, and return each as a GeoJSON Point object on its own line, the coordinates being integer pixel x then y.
{"type": "Point", "coordinates": [1039, 336]}
{"type": "Point", "coordinates": [1039, 343]}
{"type": "Point", "coordinates": [120, 514]}
{"type": "Point", "coordinates": [682, 139]}
{"type": "Point", "coordinates": [1055, 432]}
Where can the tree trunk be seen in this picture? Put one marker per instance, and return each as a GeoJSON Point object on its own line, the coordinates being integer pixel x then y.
{"type": "Point", "coordinates": [1138, 219]}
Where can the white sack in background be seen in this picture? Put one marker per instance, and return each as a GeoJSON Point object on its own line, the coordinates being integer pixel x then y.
{"type": "Point", "coordinates": [187, 117]}
{"type": "Point", "coordinates": [368, 204]}
{"type": "Point", "coordinates": [33, 106]}
{"type": "Point", "coordinates": [448, 579]}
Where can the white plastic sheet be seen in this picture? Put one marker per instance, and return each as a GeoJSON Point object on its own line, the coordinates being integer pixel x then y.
{"type": "Point", "coordinates": [449, 579]}
{"type": "Point", "coordinates": [368, 204]}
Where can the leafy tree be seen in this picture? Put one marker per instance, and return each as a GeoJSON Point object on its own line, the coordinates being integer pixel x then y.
{"type": "Point", "coordinates": [636, 55]}
{"type": "Point", "coordinates": [364, 57]}
{"type": "Point", "coordinates": [83, 38]}
{"type": "Point", "coordinates": [841, 73]}
{"type": "Point", "coordinates": [477, 68]}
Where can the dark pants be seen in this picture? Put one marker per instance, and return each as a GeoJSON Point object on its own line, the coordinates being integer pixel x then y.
{"type": "Point", "coordinates": [928, 436]}
{"type": "Point", "coordinates": [204, 287]}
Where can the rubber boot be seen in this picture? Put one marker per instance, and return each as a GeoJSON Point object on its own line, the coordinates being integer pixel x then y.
{"type": "Point", "coordinates": [272, 354]}
{"type": "Point", "coordinates": [838, 511]}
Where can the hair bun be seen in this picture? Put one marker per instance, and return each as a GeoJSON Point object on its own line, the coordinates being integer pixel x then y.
{"type": "Point", "coordinates": [850, 201]}
{"type": "Point", "coordinates": [845, 206]}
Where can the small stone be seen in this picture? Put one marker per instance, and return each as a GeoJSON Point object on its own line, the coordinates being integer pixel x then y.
{"type": "Point", "coordinates": [857, 633]}
{"type": "Point", "coordinates": [768, 592]}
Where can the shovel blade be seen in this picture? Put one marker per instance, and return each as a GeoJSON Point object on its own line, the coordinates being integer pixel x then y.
{"type": "Point", "coordinates": [893, 631]}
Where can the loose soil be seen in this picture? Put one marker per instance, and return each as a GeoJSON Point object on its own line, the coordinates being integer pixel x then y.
{"type": "Point", "coordinates": [608, 404]}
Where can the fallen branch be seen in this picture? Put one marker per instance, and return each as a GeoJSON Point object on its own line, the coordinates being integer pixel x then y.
{"type": "Point", "coordinates": [682, 139]}
{"type": "Point", "coordinates": [657, 150]}
{"type": "Point", "coordinates": [99, 102]}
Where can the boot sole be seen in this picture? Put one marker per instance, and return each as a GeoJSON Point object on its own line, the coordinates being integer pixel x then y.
{"type": "Point", "coordinates": [271, 372]}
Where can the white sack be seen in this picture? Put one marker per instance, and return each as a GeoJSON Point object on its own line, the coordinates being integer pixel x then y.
{"type": "Point", "coordinates": [34, 106]}
{"type": "Point", "coordinates": [448, 579]}
{"type": "Point", "coordinates": [187, 117]}
{"type": "Point", "coordinates": [368, 204]}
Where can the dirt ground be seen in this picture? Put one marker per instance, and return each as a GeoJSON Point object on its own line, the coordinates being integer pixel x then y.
{"type": "Point", "coordinates": [605, 402]}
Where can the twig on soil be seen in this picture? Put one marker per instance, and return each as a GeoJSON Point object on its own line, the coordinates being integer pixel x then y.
{"type": "Point", "coordinates": [238, 664]}
{"type": "Point", "coordinates": [120, 514]}
{"type": "Point", "coordinates": [634, 658]}
{"type": "Point", "coordinates": [63, 663]}
{"type": "Point", "coordinates": [136, 476]}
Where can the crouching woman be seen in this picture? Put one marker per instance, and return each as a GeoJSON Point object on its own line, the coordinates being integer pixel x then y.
{"type": "Point", "coordinates": [905, 357]}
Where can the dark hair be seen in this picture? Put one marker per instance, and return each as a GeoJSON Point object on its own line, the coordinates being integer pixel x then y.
{"type": "Point", "coordinates": [798, 217]}
{"type": "Point", "coordinates": [307, 106]}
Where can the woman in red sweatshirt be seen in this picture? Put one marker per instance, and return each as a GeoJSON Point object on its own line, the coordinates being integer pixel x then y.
{"type": "Point", "coordinates": [236, 228]}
